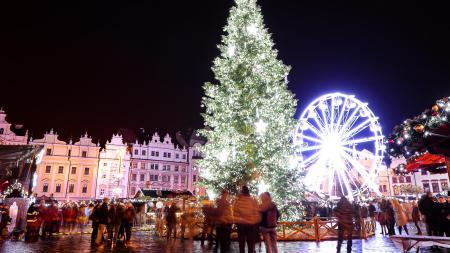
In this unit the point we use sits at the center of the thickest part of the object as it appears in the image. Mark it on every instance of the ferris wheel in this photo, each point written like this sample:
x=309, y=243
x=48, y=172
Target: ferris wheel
x=339, y=144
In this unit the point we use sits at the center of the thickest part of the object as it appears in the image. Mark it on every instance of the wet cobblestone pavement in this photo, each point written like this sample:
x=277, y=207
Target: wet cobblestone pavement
x=144, y=241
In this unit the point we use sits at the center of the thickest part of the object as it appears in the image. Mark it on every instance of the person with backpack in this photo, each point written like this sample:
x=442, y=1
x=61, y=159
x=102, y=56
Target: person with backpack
x=269, y=220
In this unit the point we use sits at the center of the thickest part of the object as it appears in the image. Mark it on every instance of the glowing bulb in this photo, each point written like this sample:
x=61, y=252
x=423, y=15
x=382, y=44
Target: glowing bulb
x=406, y=136
x=363, y=113
x=223, y=156
x=231, y=50
x=351, y=105
x=262, y=187
x=260, y=126
x=323, y=106
x=338, y=102
x=252, y=29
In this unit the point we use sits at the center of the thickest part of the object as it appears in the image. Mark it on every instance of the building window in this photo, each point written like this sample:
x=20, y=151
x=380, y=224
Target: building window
x=176, y=168
x=384, y=188
x=168, y=167
x=396, y=190
x=104, y=176
x=153, y=153
x=143, y=165
x=408, y=179
x=71, y=187
x=86, y=171
x=156, y=166
x=142, y=179
x=74, y=170
x=184, y=156
x=48, y=168
x=426, y=186
x=157, y=153
x=133, y=190
x=165, y=178
x=194, y=178
x=134, y=165
x=60, y=169
x=153, y=177
x=58, y=188
x=136, y=152
x=133, y=177
x=143, y=152
x=183, y=169
x=165, y=154
x=102, y=191
x=183, y=179
x=401, y=180
x=69, y=153
x=177, y=156
x=435, y=186
x=45, y=187
x=423, y=172
x=169, y=155
x=84, y=153
x=49, y=151
x=84, y=189
x=175, y=178
x=2, y=130
x=394, y=180
x=444, y=185
x=105, y=164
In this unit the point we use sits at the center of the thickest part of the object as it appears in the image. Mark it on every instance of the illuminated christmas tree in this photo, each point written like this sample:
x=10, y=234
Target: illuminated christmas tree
x=249, y=114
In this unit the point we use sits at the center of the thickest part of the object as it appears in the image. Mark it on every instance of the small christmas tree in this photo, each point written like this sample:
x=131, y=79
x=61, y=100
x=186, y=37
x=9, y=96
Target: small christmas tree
x=249, y=114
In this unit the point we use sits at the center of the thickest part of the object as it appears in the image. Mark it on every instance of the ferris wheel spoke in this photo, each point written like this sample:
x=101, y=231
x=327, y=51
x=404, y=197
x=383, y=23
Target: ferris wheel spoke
x=310, y=138
x=357, y=129
x=359, y=168
x=310, y=159
x=314, y=129
x=341, y=114
x=320, y=123
x=361, y=140
x=310, y=148
x=351, y=151
x=350, y=120
x=324, y=118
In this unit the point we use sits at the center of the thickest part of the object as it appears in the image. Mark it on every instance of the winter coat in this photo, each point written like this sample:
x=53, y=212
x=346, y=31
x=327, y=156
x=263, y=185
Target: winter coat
x=426, y=206
x=223, y=211
x=344, y=212
x=267, y=213
x=129, y=214
x=102, y=214
x=246, y=210
x=400, y=215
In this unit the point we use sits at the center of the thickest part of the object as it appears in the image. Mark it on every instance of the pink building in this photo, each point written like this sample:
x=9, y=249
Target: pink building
x=161, y=165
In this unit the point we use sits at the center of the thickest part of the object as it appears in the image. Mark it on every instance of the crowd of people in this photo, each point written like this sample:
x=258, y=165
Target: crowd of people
x=435, y=212
x=110, y=221
x=255, y=221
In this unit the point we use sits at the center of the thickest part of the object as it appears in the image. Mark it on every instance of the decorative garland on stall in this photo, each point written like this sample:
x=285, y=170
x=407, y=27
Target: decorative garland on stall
x=15, y=190
x=417, y=129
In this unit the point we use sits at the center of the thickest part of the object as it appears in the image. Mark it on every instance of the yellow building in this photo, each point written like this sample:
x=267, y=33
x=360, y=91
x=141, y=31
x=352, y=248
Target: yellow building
x=68, y=171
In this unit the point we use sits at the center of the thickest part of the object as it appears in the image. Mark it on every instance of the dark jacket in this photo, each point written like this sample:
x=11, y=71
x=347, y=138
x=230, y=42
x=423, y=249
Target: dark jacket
x=102, y=214
x=269, y=213
x=171, y=214
x=129, y=214
x=426, y=206
x=344, y=211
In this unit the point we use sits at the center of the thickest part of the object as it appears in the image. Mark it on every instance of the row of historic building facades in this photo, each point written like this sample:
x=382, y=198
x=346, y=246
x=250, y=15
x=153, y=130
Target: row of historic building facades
x=83, y=170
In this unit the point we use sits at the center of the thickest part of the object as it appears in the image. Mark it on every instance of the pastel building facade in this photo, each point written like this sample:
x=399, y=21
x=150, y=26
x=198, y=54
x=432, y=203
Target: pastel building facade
x=114, y=168
x=435, y=183
x=9, y=137
x=161, y=165
x=68, y=171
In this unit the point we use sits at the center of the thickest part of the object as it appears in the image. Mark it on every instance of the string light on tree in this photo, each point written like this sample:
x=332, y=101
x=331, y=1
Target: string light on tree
x=249, y=100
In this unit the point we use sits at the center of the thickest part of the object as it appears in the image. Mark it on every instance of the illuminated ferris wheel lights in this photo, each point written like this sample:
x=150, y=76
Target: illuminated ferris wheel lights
x=326, y=138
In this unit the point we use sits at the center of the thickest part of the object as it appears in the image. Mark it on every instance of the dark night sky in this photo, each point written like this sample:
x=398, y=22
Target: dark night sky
x=80, y=66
